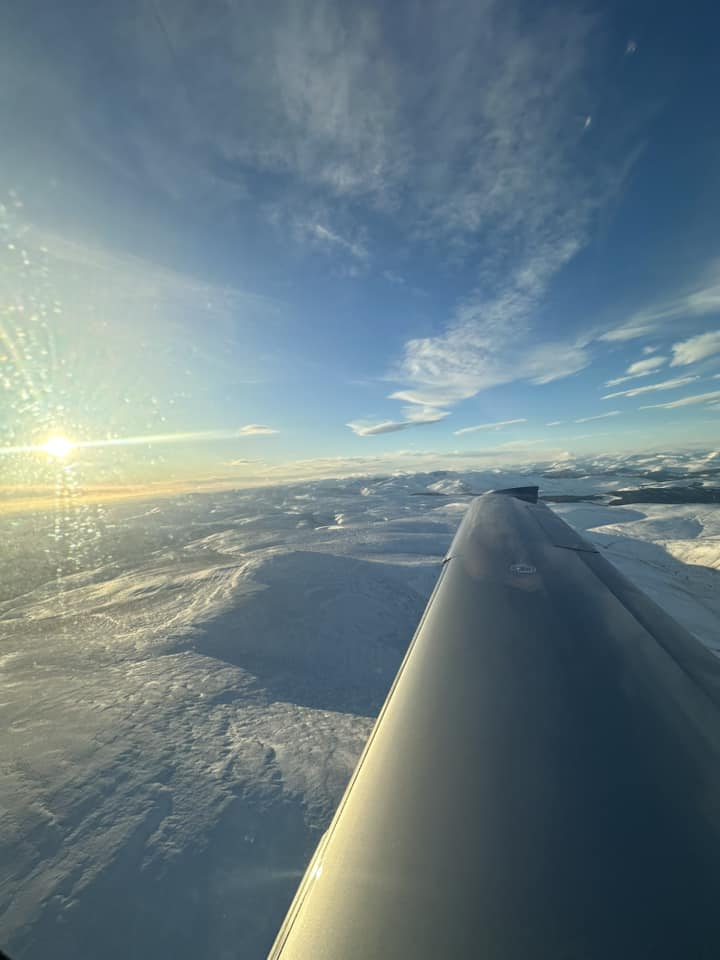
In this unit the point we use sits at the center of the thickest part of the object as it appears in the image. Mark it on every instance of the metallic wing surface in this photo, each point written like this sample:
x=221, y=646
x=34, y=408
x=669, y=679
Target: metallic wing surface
x=544, y=778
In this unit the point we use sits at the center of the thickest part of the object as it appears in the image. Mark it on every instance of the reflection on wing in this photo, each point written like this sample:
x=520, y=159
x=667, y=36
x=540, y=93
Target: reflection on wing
x=544, y=778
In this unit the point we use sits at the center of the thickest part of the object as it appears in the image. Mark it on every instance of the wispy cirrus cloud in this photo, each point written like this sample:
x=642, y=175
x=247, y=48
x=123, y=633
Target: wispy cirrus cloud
x=414, y=417
x=673, y=384
x=316, y=96
x=522, y=204
x=599, y=416
x=685, y=401
x=498, y=425
x=323, y=236
x=641, y=368
x=696, y=348
x=472, y=138
x=482, y=352
x=521, y=444
x=256, y=430
x=376, y=429
x=699, y=302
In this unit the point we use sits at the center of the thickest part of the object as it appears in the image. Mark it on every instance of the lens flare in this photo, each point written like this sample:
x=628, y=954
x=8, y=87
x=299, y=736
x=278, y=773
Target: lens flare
x=57, y=447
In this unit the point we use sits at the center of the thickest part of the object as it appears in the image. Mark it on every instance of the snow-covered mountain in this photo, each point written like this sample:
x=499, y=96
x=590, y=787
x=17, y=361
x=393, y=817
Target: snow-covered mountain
x=186, y=684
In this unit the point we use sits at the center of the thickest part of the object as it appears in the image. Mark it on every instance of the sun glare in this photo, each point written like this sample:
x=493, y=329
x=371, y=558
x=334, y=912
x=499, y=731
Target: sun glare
x=57, y=447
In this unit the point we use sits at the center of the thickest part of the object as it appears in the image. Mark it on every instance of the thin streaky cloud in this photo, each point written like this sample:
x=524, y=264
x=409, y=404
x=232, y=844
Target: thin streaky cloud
x=256, y=430
x=520, y=444
x=598, y=416
x=482, y=352
x=555, y=423
x=524, y=190
x=641, y=368
x=696, y=348
x=665, y=385
x=376, y=429
x=414, y=418
x=685, y=401
x=324, y=236
x=498, y=425
x=700, y=302
x=417, y=414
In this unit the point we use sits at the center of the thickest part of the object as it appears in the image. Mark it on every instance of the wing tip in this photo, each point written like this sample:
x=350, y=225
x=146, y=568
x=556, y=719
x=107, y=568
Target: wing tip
x=528, y=494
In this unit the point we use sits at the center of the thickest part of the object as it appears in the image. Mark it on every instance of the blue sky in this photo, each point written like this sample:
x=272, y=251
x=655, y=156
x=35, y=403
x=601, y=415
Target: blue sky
x=315, y=235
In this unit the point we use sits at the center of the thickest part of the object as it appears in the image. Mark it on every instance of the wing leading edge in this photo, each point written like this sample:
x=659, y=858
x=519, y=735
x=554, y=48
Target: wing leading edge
x=544, y=778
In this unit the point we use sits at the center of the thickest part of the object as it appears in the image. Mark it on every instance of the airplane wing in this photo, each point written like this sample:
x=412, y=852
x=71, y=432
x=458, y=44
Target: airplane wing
x=543, y=780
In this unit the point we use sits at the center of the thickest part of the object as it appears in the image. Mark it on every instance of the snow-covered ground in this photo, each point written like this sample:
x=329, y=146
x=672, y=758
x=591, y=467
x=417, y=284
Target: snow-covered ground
x=185, y=685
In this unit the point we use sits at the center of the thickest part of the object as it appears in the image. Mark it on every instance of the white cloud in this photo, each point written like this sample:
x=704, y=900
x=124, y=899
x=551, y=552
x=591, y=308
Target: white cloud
x=418, y=414
x=312, y=96
x=555, y=423
x=256, y=430
x=324, y=236
x=498, y=425
x=316, y=95
x=650, y=349
x=529, y=191
x=375, y=429
x=641, y=368
x=665, y=385
x=484, y=349
x=631, y=330
x=599, y=416
x=685, y=401
x=520, y=444
x=413, y=418
x=697, y=303
x=696, y=348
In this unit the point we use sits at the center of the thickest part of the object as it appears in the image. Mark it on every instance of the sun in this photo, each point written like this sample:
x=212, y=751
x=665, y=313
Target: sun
x=57, y=447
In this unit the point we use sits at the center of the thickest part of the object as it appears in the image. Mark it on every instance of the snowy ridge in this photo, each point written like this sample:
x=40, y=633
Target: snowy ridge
x=186, y=694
